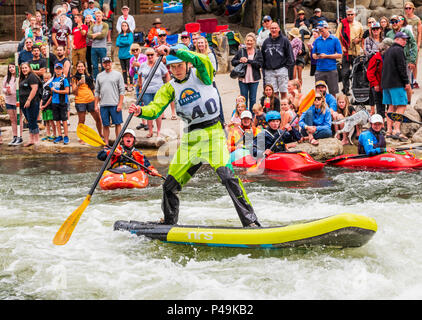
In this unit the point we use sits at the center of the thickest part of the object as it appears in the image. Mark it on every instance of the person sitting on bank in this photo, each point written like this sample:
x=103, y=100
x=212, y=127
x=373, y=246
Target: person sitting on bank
x=242, y=136
x=126, y=150
x=286, y=137
x=372, y=141
x=315, y=123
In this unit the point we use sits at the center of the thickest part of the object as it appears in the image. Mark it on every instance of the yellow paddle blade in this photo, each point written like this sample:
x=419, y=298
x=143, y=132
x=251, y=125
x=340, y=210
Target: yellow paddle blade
x=63, y=235
x=307, y=102
x=89, y=136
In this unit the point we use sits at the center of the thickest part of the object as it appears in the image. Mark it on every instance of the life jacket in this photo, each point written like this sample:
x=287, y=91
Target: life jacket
x=370, y=137
x=240, y=137
x=117, y=161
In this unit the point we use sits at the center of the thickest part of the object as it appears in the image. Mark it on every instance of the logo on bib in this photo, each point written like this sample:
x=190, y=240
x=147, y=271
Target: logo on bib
x=187, y=96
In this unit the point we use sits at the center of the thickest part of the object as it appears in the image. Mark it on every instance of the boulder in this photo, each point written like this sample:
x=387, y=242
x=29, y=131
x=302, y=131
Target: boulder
x=409, y=129
x=393, y=4
x=328, y=148
x=222, y=52
x=376, y=3
x=8, y=49
x=417, y=137
x=418, y=107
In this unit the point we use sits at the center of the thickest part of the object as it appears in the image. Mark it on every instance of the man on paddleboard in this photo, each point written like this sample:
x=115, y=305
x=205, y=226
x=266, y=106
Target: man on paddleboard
x=198, y=104
x=372, y=141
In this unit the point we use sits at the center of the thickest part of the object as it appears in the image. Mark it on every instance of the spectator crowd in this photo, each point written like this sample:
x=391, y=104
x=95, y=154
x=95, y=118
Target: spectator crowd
x=71, y=57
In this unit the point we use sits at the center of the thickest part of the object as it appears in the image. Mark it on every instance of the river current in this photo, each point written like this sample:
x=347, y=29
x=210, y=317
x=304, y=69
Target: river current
x=38, y=193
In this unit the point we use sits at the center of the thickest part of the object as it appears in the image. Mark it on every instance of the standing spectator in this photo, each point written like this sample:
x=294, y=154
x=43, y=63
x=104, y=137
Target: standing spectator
x=416, y=24
x=152, y=38
x=317, y=18
x=38, y=38
x=395, y=83
x=410, y=50
x=161, y=76
x=26, y=54
x=41, y=23
x=38, y=64
x=203, y=47
x=369, y=23
x=310, y=44
x=277, y=59
x=264, y=31
x=302, y=24
x=29, y=101
x=61, y=58
x=9, y=90
x=253, y=59
x=374, y=73
x=109, y=93
x=60, y=35
x=79, y=33
x=88, y=21
x=373, y=40
x=195, y=36
x=29, y=30
x=108, y=18
x=185, y=39
x=98, y=33
x=135, y=62
x=127, y=18
x=385, y=26
x=83, y=88
x=326, y=50
x=26, y=23
x=91, y=10
x=124, y=41
x=350, y=33
x=299, y=53
x=60, y=89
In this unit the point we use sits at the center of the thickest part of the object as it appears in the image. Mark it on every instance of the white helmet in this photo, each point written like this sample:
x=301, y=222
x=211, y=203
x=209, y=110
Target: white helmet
x=246, y=114
x=376, y=118
x=130, y=131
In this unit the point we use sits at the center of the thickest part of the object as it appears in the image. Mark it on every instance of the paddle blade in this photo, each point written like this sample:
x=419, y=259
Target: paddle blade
x=256, y=168
x=63, y=235
x=89, y=136
x=307, y=102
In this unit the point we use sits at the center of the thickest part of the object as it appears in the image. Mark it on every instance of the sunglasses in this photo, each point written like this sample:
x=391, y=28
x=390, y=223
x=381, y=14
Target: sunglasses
x=162, y=35
x=150, y=55
x=318, y=98
x=185, y=37
x=394, y=21
x=135, y=50
x=408, y=8
x=350, y=14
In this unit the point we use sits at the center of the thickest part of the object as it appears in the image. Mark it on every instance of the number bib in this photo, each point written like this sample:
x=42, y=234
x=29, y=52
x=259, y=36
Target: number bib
x=195, y=101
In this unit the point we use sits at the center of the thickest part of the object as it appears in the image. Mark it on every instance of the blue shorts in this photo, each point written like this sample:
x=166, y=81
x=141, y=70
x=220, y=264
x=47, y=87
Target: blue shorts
x=108, y=112
x=83, y=107
x=394, y=96
x=10, y=107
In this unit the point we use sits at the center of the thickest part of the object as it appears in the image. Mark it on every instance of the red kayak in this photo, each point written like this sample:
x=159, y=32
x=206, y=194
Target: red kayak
x=392, y=161
x=123, y=178
x=284, y=161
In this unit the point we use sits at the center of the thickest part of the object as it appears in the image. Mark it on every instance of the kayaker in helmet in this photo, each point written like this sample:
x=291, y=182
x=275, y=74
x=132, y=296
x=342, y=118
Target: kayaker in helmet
x=242, y=136
x=198, y=104
x=263, y=142
x=372, y=141
x=127, y=147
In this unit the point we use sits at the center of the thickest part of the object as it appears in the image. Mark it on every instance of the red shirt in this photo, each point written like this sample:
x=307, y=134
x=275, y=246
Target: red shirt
x=79, y=41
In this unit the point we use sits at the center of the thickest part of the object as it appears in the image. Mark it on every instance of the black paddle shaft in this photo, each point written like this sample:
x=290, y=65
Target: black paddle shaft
x=125, y=125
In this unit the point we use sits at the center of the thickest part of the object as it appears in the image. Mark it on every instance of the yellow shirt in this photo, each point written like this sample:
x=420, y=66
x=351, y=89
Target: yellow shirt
x=356, y=31
x=84, y=94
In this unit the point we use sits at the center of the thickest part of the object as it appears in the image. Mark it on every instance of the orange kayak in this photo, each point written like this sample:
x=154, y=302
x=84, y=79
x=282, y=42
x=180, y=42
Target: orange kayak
x=123, y=177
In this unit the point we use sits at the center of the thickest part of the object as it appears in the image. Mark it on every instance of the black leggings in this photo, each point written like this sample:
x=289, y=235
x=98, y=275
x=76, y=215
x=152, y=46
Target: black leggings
x=124, y=64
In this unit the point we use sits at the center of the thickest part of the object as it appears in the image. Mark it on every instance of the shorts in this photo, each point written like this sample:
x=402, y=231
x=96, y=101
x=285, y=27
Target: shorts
x=330, y=78
x=83, y=107
x=108, y=112
x=278, y=78
x=47, y=114
x=10, y=107
x=59, y=111
x=394, y=96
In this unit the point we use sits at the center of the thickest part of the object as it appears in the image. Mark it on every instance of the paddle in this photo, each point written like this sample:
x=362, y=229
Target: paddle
x=65, y=232
x=401, y=118
x=306, y=102
x=91, y=137
x=359, y=156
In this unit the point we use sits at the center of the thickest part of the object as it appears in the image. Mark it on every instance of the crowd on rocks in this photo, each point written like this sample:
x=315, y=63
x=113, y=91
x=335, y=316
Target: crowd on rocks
x=71, y=57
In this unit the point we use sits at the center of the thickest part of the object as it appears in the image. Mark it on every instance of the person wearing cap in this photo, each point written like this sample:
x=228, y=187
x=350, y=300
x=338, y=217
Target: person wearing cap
x=242, y=136
x=130, y=20
x=152, y=38
x=350, y=33
x=373, y=40
x=317, y=18
x=410, y=47
x=395, y=83
x=98, y=33
x=302, y=24
x=60, y=89
x=198, y=104
x=326, y=50
x=264, y=31
x=185, y=39
x=161, y=39
x=109, y=94
x=264, y=140
x=414, y=21
x=372, y=141
x=91, y=9
x=330, y=100
x=373, y=73
x=127, y=148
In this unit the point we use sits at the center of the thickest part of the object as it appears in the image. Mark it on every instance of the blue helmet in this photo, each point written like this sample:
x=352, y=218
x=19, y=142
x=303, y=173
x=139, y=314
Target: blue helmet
x=272, y=115
x=170, y=59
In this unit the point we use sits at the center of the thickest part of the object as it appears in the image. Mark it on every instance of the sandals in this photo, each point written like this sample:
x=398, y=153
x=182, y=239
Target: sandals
x=173, y=118
x=314, y=142
x=149, y=135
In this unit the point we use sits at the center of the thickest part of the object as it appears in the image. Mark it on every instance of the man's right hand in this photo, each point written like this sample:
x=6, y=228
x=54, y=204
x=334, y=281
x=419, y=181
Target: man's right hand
x=163, y=50
x=136, y=110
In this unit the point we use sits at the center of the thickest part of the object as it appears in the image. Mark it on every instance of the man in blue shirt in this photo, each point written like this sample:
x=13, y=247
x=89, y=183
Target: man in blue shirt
x=326, y=50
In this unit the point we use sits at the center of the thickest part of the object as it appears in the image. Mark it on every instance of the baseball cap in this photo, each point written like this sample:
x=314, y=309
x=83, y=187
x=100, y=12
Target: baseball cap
x=130, y=131
x=375, y=25
x=317, y=10
x=301, y=12
x=320, y=83
x=246, y=114
x=184, y=34
x=161, y=31
x=322, y=24
x=401, y=35
x=376, y=118
x=125, y=7
x=267, y=18
x=106, y=59
x=58, y=65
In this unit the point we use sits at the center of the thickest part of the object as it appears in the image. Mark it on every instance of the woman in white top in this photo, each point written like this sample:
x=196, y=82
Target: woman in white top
x=203, y=47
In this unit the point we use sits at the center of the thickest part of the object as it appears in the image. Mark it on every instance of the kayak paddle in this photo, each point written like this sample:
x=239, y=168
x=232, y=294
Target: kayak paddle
x=401, y=117
x=65, y=232
x=91, y=137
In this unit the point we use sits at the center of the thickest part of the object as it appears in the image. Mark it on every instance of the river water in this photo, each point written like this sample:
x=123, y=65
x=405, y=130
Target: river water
x=37, y=193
